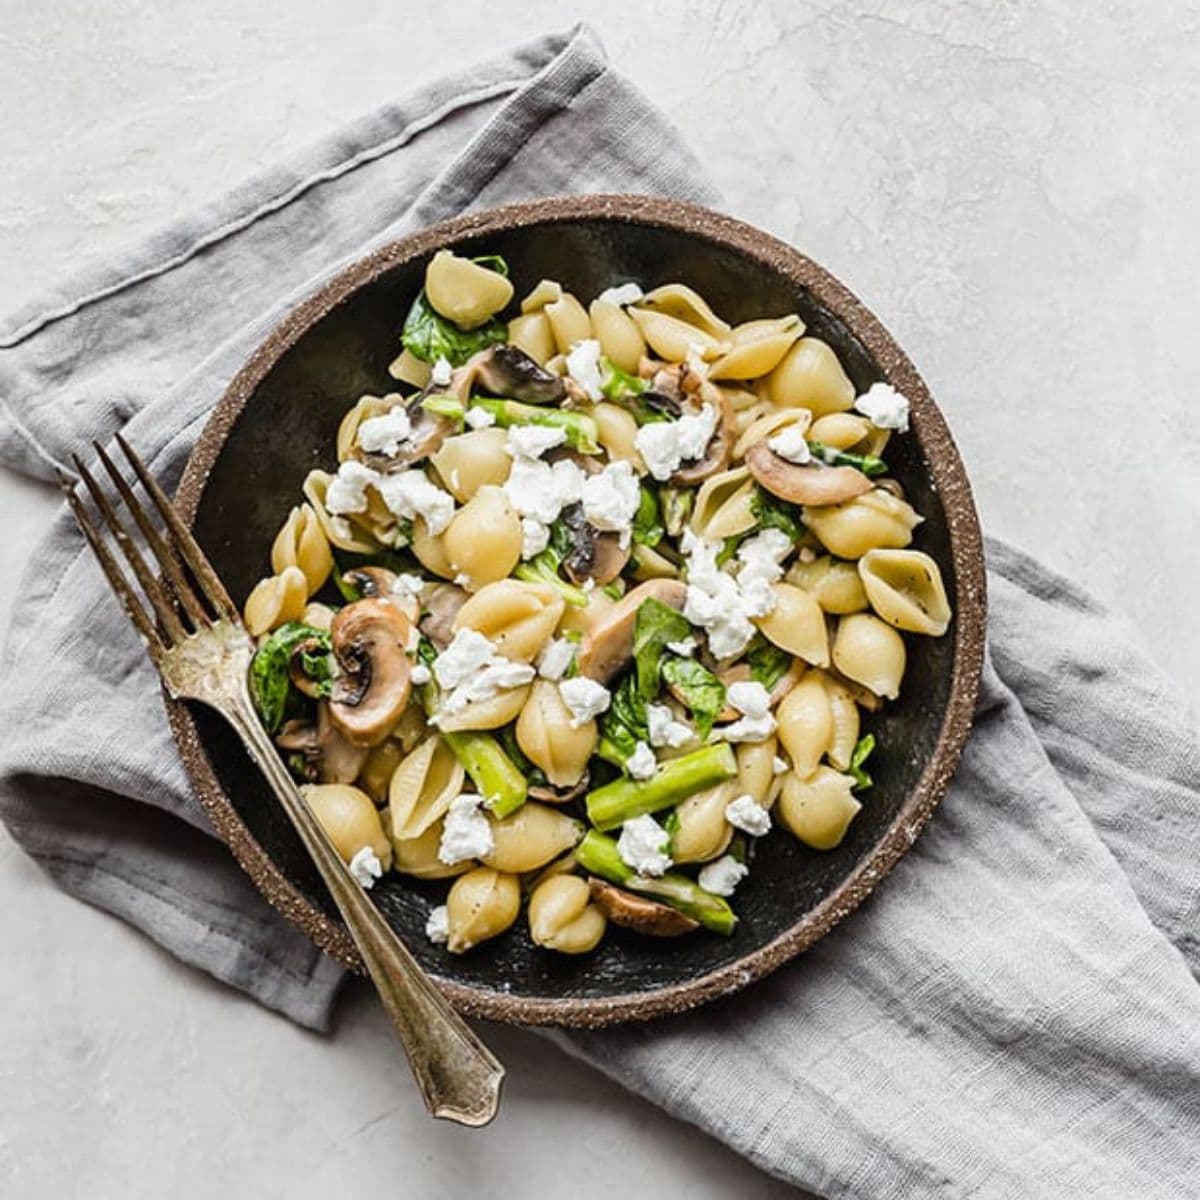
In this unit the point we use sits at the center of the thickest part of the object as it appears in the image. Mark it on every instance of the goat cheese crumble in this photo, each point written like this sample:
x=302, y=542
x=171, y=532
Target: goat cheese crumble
x=643, y=846
x=717, y=602
x=555, y=660
x=466, y=832
x=723, y=876
x=884, y=407
x=437, y=926
x=347, y=491
x=470, y=669
x=642, y=763
x=386, y=433
x=441, y=373
x=611, y=498
x=420, y=675
x=664, y=729
x=532, y=441
x=665, y=445
x=538, y=492
x=535, y=537
x=583, y=365
x=753, y=701
x=365, y=867
x=685, y=648
x=585, y=698
x=409, y=494
x=408, y=587
x=791, y=444
x=746, y=814
x=622, y=294
x=479, y=418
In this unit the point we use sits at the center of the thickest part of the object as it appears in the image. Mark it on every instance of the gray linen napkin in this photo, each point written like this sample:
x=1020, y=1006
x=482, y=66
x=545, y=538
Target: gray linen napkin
x=1014, y=1014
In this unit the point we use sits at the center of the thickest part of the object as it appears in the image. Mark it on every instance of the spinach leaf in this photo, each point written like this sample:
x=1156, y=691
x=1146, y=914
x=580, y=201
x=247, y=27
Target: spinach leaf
x=862, y=751
x=508, y=740
x=624, y=724
x=270, y=683
x=428, y=335
x=493, y=262
x=699, y=689
x=768, y=664
x=773, y=513
x=656, y=626
x=647, y=525
x=869, y=464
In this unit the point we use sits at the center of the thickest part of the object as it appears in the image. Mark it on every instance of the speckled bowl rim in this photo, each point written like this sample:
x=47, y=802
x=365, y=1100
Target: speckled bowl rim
x=966, y=546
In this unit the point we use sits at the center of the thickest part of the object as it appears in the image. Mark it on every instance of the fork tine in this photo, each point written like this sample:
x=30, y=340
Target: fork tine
x=182, y=538
x=161, y=551
x=116, y=579
x=159, y=601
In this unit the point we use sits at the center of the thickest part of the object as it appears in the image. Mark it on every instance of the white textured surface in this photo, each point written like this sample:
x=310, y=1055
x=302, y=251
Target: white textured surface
x=1011, y=187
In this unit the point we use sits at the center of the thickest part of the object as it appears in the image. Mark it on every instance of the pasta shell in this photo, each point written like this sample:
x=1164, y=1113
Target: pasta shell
x=649, y=564
x=562, y=916
x=275, y=601
x=796, y=624
x=681, y=302
x=805, y=723
x=756, y=770
x=469, y=461
x=569, y=322
x=870, y=652
x=724, y=505
x=546, y=292
x=769, y=424
x=302, y=543
x=429, y=550
x=758, y=347
x=576, y=619
x=842, y=431
x=834, y=584
x=483, y=541
x=620, y=339
x=617, y=433
x=482, y=904
x=340, y=531
x=674, y=340
x=547, y=738
x=378, y=769
x=487, y=714
x=701, y=832
x=422, y=787
x=366, y=408
x=408, y=368
x=319, y=616
x=846, y=724
x=463, y=291
x=875, y=520
x=349, y=819
x=531, y=332
x=520, y=618
x=818, y=809
x=811, y=377
x=905, y=588
x=531, y=837
x=418, y=856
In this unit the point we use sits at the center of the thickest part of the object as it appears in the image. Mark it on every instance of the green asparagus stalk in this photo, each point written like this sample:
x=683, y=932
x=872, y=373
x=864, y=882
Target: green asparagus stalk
x=581, y=430
x=623, y=799
x=868, y=464
x=443, y=405
x=597, y=853
x=501, y=785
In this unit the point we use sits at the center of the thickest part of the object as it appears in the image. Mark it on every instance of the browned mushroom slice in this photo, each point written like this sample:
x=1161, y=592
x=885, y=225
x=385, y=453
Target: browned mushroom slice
x=368, y=639
x=550, y=795
x=376, y=582
x=328, y=757
x=509, y=372
x=639, y=912
x=809, y=483
x=595, y=555
x=720, y=445
x=608, y=645
x=441, y=607
x=740, y=673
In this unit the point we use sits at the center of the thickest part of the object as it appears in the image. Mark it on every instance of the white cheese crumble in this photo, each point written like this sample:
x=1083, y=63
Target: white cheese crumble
x=685, y=648
x=470, y=670
x=716, y=602
x=479, y=418
x=610, y=499
x=760, y=558
x=440, y=375
x=665, y=445
x=420, y=675
x=778, y=765
x=642, y=764
x=466, y=832
x=535, y=537
x=437, y=926
x=347, y=491
x=746, y=814
x=583, y=365
x=622, y=294
x=723, y=876
x=753, y=701
x=408, y=586
x=538, y=492
x=665, y=730
x=386, y=433
x=884, y=407
x=791, y=444
x=365, y=867
x=555, y=660
x=643, y=846
x=532, y=441
x=412, y=643
x=585, y=698
x=409, y=494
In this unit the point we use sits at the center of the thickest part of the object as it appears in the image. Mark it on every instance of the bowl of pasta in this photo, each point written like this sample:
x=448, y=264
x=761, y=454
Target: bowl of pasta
x=619, y=602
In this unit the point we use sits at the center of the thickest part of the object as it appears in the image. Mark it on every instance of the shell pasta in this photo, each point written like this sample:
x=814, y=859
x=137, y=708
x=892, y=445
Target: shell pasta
x=596, y=594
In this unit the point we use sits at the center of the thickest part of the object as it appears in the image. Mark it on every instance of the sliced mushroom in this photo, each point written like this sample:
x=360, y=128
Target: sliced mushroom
x=639, y=912
x=328, y=757
x=595, y=555
x=740, y=673
x=720, y=445
x=368, y=640
x=301, y=680
x=441, y=607
x=378, y=583
x=560, y=795
x=509, y=372
x=608, y=645
x=427, y=432
x=808, y=483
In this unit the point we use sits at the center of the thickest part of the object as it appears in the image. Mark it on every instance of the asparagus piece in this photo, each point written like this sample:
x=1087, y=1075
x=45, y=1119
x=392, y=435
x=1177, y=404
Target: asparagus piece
x=581, y=430
x=868, y=464
x=443, y=405
x=623, y=799
x=597, y=853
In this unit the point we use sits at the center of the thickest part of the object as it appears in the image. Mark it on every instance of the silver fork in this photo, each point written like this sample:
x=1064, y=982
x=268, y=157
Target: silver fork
x=196, y=640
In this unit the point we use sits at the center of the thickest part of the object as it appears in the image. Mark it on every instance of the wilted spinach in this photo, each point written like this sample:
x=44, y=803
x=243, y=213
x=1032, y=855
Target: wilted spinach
x=768, y=663
x=647, y=524
x=697, y=687
x=428, y=335
x=656, y=626
x=773, y=513
x=270, y=680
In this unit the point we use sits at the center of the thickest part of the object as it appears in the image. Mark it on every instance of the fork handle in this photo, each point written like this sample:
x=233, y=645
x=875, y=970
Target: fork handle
x=458, y=1076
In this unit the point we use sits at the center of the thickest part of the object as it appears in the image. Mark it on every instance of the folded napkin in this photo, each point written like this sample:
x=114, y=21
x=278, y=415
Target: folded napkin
x=1015, y=1013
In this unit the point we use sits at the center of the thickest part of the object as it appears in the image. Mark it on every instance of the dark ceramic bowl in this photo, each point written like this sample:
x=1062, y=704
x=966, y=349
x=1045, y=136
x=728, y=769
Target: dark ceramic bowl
x=278, y=419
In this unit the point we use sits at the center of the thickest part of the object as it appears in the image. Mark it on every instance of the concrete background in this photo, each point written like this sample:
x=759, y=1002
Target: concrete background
x=1012, y=187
